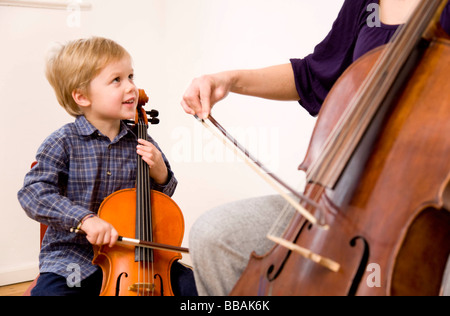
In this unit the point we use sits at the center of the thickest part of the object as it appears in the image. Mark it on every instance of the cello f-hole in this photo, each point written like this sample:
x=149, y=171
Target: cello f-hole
x=272, y=271
x=362, y=265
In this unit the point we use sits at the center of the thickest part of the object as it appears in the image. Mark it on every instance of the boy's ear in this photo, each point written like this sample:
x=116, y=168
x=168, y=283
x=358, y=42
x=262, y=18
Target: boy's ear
x=81, y=98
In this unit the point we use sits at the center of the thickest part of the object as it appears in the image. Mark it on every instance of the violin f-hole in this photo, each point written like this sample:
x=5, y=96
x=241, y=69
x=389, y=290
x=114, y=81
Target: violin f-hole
x=118, y=282
x=162, y=284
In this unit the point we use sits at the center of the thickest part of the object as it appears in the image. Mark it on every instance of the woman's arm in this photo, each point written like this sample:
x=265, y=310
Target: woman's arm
x=274, y=83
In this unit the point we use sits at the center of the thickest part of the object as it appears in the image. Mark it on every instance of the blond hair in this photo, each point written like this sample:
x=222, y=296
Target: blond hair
x=73, y=66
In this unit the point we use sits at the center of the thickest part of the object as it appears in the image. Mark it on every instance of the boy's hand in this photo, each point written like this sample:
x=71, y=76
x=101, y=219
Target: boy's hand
x=153, y=157
x=99, y=232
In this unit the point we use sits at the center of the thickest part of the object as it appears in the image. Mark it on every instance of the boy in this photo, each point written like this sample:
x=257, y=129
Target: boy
x=84, y=162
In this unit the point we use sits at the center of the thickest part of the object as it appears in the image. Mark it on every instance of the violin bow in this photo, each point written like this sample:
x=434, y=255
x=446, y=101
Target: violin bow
x=141, y=243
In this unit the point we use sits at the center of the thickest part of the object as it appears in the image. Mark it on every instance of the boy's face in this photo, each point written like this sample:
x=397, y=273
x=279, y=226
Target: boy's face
x=112, y=93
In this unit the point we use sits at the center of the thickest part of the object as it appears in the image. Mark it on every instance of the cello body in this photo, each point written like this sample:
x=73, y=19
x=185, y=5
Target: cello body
x=388, y=213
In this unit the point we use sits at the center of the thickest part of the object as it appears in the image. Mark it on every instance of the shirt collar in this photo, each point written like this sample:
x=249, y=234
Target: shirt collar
x=85, y=128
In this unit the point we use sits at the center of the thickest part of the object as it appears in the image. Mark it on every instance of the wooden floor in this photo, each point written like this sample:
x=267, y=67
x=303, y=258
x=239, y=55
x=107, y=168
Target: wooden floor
x=14, y=290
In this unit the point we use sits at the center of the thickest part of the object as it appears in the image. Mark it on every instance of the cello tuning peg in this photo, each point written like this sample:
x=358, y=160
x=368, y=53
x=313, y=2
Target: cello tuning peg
x=154, y=121
x=153, y=113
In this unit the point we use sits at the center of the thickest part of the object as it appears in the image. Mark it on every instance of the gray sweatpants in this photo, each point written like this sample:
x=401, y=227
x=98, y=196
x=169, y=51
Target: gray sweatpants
x=222, y=240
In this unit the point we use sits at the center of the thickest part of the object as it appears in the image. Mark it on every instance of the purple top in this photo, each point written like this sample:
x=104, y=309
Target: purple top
x=350, y=38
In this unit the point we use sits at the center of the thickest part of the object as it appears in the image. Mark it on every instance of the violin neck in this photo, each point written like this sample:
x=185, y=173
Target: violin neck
x=144, y=229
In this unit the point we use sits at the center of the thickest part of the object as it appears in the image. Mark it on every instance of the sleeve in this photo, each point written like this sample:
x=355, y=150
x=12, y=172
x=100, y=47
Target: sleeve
x=445, y=19
x=42, y=196
x=316, y=74
x=169, y=187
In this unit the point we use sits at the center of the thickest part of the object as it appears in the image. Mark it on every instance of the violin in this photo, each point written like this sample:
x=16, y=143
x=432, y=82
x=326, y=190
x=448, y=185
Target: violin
x=140, y=264
x=374, y=218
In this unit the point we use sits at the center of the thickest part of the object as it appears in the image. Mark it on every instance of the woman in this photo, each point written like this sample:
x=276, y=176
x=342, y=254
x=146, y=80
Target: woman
x=219, y=256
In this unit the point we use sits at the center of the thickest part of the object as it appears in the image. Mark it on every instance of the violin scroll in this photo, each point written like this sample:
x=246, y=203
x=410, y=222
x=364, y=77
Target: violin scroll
x=143, y=98
x=147, y=116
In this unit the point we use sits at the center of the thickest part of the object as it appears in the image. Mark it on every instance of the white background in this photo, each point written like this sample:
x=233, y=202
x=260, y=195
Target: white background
x=171, y=41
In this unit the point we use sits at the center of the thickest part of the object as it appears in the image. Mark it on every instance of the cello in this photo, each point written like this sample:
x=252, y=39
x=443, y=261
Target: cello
x=374, y=218
x=140, y=266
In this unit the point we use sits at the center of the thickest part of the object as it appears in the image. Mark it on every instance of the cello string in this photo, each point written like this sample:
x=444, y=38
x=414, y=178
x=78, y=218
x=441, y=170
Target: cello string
x=365, y=113
x=282, y=223
x=352, y=113
x=386, y=64
x=228, y=140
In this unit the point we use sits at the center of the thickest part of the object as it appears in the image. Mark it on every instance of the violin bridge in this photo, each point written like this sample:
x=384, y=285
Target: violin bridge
x=308, y=254
x=142, y=287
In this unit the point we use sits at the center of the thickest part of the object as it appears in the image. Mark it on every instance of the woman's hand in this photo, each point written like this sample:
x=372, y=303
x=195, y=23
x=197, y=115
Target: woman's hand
x=204, y=92
x=274, y=83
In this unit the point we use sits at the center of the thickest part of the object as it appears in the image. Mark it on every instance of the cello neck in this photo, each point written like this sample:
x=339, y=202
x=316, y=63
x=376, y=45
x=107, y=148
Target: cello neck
x=377, y=93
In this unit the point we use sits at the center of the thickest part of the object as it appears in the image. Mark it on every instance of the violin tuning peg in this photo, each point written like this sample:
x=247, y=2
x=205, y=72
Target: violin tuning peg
x=154, y=121
x=153, y=113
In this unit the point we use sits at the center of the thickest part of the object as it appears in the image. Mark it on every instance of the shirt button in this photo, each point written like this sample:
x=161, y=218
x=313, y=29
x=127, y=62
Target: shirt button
x=109, y=173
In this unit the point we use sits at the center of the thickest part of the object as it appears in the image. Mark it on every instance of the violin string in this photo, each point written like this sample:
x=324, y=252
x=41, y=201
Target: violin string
x=149, y=226
x=143, y=259
x=146, y=209
x=138, y=219
x=146, y=259
x=139, y=213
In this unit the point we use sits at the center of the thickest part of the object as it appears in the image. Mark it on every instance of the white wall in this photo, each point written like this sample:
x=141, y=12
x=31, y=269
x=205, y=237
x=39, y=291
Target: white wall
x=171, y=41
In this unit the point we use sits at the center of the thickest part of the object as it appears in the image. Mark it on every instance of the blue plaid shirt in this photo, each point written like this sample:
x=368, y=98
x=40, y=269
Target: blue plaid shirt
x=77, y=167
